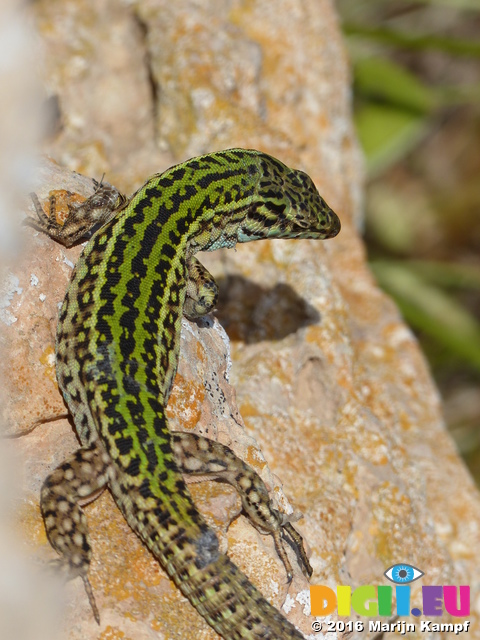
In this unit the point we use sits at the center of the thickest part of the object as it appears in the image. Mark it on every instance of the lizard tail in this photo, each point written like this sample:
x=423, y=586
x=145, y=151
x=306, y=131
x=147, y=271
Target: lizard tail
x=213, y=584
x=230, y=603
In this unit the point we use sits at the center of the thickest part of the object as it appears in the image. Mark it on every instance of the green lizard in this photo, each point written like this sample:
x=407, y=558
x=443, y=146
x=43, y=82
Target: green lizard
x=117, y=350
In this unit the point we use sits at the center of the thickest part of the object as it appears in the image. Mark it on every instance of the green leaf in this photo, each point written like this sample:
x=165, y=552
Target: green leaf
x=381, y=78
x=471, y=5
x=446, y=274
x=453, y=46
x=432, y=311
x=387, y=133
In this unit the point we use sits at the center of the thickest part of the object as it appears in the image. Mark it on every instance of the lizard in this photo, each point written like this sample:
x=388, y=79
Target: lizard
x=117, y=347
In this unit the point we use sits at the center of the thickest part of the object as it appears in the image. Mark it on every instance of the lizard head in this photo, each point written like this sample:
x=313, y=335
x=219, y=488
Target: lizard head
x=287, y=205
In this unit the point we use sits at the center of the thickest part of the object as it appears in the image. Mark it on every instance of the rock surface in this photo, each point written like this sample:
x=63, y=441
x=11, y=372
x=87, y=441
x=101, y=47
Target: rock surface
x=335, y=394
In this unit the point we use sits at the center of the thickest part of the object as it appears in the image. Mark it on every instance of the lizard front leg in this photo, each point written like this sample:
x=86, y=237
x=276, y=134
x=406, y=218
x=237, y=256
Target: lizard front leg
x=196, y=455
x=74, y=482
x=202, y=290
x=83, y=219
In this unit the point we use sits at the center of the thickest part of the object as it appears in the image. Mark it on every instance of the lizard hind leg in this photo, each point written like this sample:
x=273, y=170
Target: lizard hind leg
x=196, y=455
x=74, y=482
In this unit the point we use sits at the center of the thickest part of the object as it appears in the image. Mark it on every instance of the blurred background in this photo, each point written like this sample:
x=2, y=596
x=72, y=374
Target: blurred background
x=416, y=71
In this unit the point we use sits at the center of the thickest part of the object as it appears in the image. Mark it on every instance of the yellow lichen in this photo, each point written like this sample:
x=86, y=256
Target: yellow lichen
x=186, y=401
x=112, y=633
x=47, y=359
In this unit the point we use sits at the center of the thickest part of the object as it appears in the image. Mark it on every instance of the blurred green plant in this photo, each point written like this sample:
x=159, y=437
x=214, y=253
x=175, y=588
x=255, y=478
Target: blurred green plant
x=394, y=109
x=417, y=289
x=398, y=108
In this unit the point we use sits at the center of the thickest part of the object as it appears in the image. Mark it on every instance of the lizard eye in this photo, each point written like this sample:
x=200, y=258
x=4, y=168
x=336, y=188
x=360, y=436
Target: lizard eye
x=403, y=573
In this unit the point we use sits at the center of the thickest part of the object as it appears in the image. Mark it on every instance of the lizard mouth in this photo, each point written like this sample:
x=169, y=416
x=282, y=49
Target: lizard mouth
x=333, y=229
x=328, y=227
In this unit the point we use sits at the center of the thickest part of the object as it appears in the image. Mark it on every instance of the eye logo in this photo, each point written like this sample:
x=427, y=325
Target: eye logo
x=403, y=573
x=372, y=601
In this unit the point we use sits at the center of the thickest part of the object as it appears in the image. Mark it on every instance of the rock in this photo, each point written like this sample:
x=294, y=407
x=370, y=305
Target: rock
x=334, y=391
